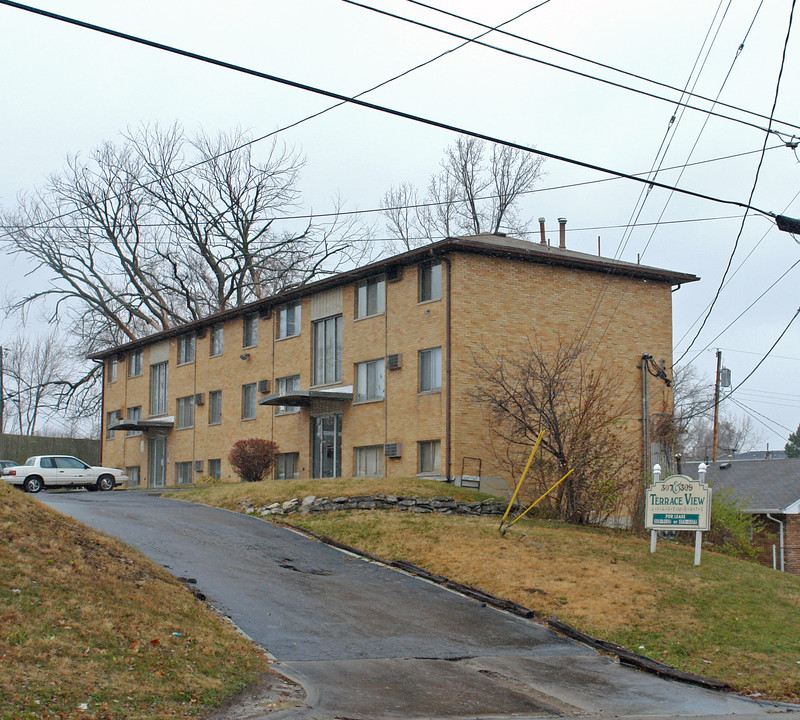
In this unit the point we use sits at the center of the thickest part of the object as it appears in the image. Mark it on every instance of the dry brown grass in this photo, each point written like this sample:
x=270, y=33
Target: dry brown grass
x=91, y=629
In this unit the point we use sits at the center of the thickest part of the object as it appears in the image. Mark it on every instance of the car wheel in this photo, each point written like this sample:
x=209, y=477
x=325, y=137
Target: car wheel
x=105, y=482
x=33, y=484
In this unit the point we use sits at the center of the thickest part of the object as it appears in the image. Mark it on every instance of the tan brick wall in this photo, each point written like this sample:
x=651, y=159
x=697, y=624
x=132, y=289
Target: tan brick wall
x=494, y=301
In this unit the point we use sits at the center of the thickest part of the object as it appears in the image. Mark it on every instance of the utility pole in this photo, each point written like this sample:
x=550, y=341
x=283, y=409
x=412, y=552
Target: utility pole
x=2, y=394
x=716, y=407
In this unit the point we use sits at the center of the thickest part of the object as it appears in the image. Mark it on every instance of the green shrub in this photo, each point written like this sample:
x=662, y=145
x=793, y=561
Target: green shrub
x=732, y=529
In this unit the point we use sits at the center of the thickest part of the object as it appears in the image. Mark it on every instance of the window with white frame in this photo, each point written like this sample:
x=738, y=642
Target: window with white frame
x=250, y=330
x=217, y=340
x=158, y=389
x=430, y=370
x=134, y=475
x=215, y=407
x=186, y=344
x=112, y=417
x=286, y=385
x=135, y=363
x=328, y=350
x=370, y=380
x=371, y=297
x=183, y=473
x=430, y=281
x=249, y=401
x=287, y=466
x=289, y=320
x=215, y=468
x=113, y=364
x=368, y=461
x=184, y=412
x=429, y=456
x=134, y=415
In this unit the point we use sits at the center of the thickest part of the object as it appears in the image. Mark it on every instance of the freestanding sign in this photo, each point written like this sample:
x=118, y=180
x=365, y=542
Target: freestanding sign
x=678, y=502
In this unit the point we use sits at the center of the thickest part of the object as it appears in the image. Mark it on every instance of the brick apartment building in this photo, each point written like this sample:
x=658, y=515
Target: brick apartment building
x=368, y=372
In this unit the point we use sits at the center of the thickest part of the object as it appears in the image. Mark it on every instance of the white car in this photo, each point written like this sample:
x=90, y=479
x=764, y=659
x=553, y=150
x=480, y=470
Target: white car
x=49, y=471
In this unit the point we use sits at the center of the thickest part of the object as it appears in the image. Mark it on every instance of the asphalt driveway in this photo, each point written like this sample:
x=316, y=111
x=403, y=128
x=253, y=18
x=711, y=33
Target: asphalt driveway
x=370, y=642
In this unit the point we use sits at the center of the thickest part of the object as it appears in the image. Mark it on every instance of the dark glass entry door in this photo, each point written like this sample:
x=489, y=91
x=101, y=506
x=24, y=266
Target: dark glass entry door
x=158, y=461
x=326, y=450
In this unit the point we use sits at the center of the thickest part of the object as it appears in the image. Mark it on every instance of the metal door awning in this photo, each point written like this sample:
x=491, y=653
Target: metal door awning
x=160, y=423
x=303, y=398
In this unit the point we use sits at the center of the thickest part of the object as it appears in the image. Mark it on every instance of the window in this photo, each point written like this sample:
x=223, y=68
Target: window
x=289, y=320
x=430, y=281
x=286, y=385
x=430, y=458
x=430, y=370
x=186, y=349
x=134, y=475
x=250, y=330
x=112, y=370
x=249, y=401
x=328, y=350
x=183, y=473
x=286, y=468
x=112, y=417
x=134, y=414
x=215, y=407
x=215, y=468
x=368, y=461
x=184, y=411
x=135, y=363
x=371, y=297
x=370, y=380
x=217, y=337
x=158, y=389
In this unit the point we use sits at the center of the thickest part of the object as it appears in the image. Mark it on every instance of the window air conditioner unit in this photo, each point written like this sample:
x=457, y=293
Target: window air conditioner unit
x=393, y=450
x=265, y=313
x=198, y=466
x=394, y=273
x=200, y=332
x=263, y=386
x=394, y=362
x=199, y=399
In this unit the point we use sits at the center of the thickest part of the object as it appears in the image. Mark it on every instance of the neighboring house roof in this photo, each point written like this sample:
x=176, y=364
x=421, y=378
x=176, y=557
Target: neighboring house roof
x=761, y=486
x=483, y=244
x=761, y=455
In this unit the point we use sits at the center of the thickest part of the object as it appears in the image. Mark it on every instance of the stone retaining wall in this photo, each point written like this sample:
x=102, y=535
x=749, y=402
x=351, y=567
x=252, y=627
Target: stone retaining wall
x=313, y=504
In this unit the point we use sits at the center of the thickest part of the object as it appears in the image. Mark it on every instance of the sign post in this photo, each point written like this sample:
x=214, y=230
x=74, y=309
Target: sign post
x=678, y=502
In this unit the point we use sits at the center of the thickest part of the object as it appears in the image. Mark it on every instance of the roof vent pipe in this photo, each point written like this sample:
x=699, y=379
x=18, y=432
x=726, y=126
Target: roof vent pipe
x=542, y=240
x=562, y=233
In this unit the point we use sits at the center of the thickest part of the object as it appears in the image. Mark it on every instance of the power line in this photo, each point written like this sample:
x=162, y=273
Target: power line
x=530, y=58
x=575, y=56
x=752, y=413
x=373, y=106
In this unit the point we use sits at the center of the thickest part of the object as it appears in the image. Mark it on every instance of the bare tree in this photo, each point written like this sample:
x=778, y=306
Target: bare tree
x=471, y=194
x=583, y=418
x=164, y=229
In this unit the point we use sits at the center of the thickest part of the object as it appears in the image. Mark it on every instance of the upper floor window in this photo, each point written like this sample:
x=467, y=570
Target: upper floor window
x=135, y=363
x=217, y=336
x=113, y=417
x=370, y=380
x=289, y=320
x=134, y=414
x=327, y=351
x=184, y=411
x=371, y=297
x=158, y=389
x=113, y=364
x=250, y=330
x=286, y=385
x=215, y=407
x=430, y=370
x=249, y=401
x=186, y=349
x=430, y=281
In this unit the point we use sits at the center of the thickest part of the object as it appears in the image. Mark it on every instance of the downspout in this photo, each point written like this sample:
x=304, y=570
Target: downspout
x=102, y=410
x=780, y=522
x=448, y=373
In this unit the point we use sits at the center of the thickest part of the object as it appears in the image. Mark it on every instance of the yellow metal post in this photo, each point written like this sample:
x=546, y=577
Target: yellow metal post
x=522, y=479
x=541, y=498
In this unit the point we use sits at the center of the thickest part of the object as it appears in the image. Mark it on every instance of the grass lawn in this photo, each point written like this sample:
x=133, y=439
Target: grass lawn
x=91, y=629
x=728, y=619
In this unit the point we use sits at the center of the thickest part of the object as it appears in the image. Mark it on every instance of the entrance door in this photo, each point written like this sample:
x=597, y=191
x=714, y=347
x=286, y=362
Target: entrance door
x=326, y=450
x=158, y=461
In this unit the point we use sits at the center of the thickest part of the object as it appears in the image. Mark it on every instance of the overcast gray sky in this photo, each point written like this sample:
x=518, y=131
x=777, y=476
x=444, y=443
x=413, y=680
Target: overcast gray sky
x=66, y=90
